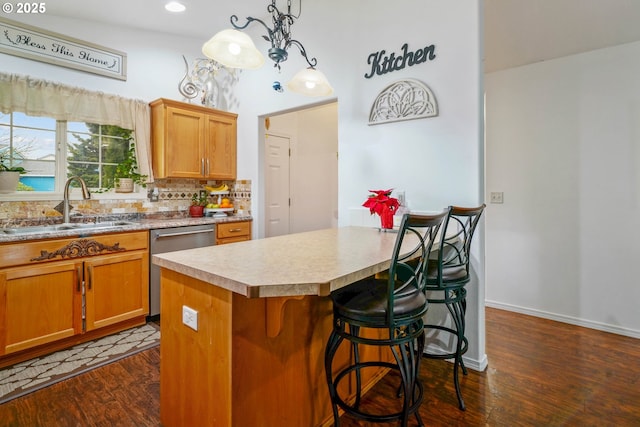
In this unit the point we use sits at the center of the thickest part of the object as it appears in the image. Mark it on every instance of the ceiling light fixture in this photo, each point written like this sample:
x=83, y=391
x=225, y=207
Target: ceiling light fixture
x=175, y=6
x=235, y=49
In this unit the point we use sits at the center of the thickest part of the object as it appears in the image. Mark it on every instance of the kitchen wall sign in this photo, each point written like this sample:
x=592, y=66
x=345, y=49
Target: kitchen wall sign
x=34, y=43
x=382, y=64
x=403, y=100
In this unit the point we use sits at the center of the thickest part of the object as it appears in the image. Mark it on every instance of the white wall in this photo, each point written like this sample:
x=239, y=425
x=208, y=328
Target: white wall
x=563, y=143
x=437, y=161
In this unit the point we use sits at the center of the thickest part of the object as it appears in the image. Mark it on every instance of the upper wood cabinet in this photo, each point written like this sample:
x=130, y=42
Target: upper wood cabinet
x=191, y=141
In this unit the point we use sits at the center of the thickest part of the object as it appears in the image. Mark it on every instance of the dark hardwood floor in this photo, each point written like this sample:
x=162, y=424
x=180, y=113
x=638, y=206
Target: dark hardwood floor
x=541, y=373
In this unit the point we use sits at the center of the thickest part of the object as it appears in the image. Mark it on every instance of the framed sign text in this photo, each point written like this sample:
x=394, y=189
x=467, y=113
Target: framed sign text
x=34, y=43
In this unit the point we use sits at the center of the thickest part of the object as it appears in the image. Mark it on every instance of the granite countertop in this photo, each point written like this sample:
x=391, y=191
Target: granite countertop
x=132, y=225
x=310, y=263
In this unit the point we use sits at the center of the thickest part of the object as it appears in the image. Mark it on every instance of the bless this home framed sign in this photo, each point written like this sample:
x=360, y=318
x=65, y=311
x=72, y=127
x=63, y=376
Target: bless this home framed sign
x=29, y=42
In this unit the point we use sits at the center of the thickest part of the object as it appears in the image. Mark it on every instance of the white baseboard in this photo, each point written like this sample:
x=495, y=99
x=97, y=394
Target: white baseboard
x=565, y=319
x=476, y=365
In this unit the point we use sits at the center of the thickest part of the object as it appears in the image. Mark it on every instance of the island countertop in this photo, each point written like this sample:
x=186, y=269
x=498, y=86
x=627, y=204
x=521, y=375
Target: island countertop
x=309, y=263
x=262, y=318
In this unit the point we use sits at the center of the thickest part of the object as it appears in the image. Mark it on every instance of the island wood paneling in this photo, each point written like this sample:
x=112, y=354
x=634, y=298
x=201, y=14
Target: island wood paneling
x=235, y=370
x=195, y=374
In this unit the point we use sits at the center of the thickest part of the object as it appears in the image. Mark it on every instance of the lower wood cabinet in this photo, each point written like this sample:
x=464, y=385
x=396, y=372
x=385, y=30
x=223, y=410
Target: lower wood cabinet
x=40, y=304
x=230, y=232
x=116, y=289
x=56, y=293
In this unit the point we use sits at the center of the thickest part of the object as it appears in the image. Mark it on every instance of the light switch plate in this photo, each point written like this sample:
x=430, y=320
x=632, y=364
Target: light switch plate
x=190, y=317
x=497, y=197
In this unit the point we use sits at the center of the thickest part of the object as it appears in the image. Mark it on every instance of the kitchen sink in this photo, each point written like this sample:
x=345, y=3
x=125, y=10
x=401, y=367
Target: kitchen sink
x=36, y=229
x=97, y=225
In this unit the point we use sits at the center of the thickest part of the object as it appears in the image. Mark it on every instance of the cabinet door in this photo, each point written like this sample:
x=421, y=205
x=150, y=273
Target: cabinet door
x=221, y=147
x=39, y=304
x=185, y=145
x=117, y=288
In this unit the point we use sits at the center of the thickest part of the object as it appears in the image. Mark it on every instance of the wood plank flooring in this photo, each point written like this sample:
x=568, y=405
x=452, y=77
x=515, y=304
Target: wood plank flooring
x=541, y=373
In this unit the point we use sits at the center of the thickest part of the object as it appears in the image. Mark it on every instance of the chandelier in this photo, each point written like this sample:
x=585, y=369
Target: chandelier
x=234, y=49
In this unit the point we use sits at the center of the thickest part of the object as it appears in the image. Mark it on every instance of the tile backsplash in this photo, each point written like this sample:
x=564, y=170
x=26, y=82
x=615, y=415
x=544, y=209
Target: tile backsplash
x=174, y=199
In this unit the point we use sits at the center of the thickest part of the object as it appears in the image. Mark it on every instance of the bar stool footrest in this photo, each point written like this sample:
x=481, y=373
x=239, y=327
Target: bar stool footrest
x=448, y=355
x=354, y=411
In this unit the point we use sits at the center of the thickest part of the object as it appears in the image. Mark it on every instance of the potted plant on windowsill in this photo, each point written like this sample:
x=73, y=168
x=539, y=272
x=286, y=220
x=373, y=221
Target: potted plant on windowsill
x=198, y=203
x=126, y=174
x=9, y=175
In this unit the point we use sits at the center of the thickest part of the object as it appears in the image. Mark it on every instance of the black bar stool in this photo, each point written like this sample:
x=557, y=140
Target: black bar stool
x=394, y=308
x=447, y=277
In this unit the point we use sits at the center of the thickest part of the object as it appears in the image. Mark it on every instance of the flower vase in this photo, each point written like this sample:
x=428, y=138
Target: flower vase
x=386, y=219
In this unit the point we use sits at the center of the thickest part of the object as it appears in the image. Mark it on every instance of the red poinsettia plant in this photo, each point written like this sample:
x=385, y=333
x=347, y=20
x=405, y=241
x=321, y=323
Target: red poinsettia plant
x=381, y=201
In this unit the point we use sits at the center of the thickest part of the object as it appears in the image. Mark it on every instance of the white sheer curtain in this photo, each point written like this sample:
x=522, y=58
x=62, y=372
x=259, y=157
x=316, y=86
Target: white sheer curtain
x=36, y=97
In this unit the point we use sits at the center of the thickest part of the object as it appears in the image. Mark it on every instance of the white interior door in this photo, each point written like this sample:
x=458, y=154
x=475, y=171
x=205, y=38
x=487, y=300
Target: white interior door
x=277, y=189
x=302, y=145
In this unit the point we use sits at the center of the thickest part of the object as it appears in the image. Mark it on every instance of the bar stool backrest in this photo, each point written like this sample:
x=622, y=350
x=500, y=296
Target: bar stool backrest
x=408, y=269
x=455, y=246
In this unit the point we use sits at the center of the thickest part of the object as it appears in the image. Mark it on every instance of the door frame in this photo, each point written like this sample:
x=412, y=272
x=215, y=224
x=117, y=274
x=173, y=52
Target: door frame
x=258, y=197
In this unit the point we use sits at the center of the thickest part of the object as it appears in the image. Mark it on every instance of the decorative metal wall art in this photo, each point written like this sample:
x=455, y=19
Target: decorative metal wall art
x=204, y=81
x=403, y=100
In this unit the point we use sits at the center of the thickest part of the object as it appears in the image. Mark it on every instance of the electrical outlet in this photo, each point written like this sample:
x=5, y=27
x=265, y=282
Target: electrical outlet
x=497, y=197
x=190, y=317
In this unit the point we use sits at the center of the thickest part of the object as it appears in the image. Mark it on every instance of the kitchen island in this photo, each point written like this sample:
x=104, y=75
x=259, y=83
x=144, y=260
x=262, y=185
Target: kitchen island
x=263, y=318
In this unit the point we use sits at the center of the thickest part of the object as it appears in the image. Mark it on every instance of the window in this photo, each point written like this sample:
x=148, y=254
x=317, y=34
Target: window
x=51, y=151
x=60, y=121
x=30, y=142
x=94, y=151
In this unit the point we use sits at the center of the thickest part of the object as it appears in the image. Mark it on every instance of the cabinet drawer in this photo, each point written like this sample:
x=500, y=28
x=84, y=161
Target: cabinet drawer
x=233, y=229
x=23, y=253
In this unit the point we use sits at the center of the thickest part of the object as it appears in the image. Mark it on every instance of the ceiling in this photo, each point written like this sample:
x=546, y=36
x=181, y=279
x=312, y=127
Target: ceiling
x=517, y=32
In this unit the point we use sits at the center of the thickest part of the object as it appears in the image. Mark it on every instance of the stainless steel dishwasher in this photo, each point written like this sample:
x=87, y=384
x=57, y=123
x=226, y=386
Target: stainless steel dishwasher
x=163, y=240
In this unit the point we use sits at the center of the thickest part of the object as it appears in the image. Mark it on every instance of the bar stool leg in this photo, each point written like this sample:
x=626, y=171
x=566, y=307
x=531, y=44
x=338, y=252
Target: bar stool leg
x=355, y=331
x=457, y=311
x=332, y=346
x=409, y=365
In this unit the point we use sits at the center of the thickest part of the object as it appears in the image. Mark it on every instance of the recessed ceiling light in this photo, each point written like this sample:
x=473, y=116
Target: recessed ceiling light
x=175, y=6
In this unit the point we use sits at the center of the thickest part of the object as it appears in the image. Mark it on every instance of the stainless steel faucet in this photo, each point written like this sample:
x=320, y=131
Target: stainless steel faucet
x=66, y=208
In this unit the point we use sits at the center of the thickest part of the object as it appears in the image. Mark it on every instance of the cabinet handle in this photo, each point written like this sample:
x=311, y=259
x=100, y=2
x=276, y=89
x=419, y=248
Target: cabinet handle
x=89, y=276
x=79, y=279
x=234, y=230
x=208, y=167
x=202, y=166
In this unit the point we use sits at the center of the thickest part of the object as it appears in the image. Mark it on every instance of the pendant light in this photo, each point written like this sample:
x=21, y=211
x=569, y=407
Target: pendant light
x=235, y=49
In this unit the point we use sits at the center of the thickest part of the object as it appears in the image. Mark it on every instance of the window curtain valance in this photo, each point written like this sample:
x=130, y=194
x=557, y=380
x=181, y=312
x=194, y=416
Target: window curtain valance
x=36, y=97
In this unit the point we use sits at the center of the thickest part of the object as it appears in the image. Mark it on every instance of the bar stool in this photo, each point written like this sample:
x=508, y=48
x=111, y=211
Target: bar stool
x=393, y=308
x=447, y=277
